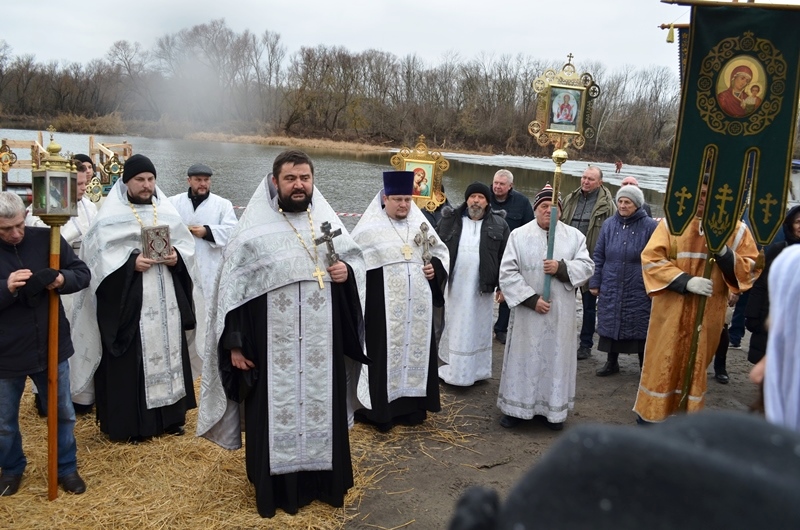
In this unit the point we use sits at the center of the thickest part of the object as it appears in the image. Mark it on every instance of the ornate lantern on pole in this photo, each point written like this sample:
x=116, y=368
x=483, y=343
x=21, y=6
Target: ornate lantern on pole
x=55, y=183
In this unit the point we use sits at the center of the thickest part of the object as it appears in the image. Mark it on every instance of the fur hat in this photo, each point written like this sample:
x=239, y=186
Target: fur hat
x=135, y=165
x=633, y=193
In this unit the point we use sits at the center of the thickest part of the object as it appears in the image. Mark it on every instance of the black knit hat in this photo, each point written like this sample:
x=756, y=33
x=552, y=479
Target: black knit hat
x=84, y=158
x=478, y=187
x=135, y=165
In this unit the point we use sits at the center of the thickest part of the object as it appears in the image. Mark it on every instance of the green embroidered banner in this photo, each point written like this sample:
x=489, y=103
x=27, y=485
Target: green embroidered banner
x=737, y=120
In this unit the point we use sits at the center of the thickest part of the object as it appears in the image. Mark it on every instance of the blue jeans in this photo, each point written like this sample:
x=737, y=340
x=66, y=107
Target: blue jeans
x=503, y=314
x=589, y=318
x=12, y=459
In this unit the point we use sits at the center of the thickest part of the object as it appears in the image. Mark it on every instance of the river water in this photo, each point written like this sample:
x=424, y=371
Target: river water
x=349, y=180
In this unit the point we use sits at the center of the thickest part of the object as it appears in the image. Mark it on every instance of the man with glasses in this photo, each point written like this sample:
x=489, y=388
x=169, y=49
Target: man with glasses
x=403, y=284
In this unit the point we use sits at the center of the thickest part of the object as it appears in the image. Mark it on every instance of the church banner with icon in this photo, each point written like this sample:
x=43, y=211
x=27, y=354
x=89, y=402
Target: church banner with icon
x=737, y=120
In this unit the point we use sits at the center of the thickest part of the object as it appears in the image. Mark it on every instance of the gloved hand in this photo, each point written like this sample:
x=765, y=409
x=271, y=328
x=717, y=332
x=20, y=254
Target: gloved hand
x=701, y=286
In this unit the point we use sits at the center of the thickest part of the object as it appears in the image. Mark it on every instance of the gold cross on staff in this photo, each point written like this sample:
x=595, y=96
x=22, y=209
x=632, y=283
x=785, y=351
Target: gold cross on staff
x=725, y=195
x=407, y=252
x=767, y=202
x=318, y=274
x=682, y=196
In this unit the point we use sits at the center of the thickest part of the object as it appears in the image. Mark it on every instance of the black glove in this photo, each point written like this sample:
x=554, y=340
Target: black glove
x=32, y=293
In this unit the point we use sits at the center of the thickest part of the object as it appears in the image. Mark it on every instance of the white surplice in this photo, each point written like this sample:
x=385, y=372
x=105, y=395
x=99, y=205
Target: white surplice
x=539, y=365
x=782, y=378
x=409, y=308
x=216, y=213
x=466, y=343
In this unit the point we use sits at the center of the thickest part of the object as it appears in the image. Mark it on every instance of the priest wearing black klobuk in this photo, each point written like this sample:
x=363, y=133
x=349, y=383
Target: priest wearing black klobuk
x=130, y=325
x=284, y=341
x=402, y=384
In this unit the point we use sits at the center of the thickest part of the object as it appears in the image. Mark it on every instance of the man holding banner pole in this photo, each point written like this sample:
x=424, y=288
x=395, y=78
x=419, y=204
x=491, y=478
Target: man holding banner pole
x=729, y=148
x=689, y=286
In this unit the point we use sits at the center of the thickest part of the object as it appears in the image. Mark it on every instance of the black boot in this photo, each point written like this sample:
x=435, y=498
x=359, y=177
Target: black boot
x=611, y=366
x=721, y=357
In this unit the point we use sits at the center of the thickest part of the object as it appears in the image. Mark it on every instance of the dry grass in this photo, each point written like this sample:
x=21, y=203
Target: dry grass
x=311, y=143
x=187, y=482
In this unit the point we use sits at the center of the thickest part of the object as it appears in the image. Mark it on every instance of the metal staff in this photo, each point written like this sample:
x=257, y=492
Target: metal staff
x=559, y=157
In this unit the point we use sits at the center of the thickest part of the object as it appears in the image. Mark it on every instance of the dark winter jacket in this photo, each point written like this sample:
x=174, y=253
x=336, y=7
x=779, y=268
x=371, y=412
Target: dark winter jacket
x=757, y=310
x=517, y=207
x=623, y=307
x=494, y=235
x=604, y=208
x=24, y=329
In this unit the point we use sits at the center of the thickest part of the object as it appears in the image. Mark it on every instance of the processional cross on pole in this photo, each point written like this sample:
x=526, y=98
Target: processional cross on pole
x=422, y=239
x=327, y=238
x=556, y=91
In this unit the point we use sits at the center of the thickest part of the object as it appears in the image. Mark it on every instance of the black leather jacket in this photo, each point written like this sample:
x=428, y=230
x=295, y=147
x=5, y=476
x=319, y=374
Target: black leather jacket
x=494, y=235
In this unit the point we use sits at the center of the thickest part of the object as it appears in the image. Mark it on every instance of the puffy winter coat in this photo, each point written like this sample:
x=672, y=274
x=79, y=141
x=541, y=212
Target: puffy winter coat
x=623, y=306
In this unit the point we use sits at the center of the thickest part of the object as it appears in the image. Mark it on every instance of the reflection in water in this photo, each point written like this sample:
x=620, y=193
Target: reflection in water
x=348, y=180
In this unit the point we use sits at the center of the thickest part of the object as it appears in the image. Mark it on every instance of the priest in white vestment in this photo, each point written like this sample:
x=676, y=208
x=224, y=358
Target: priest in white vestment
x=407, y=267
x=539, y=364
x=782, y=378
x=131, y=323
x=210, y=219
x=286, y=325
x=475, y=237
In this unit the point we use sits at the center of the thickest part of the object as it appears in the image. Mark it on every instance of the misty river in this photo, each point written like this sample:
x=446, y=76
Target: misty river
x=349, y=180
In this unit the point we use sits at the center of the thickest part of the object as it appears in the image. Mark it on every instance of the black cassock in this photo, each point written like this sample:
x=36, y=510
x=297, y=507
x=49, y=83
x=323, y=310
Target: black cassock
x=119, y=380
x=246, y=328
x=404, y=410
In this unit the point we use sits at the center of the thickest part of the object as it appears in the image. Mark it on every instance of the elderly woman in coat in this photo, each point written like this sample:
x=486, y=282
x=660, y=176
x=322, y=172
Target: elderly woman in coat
x=623, y=307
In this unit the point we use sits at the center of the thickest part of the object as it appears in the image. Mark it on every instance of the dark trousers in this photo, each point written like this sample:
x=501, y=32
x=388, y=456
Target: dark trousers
x=589, y=317
x=503, y=313
x=736, y=329
x=721, y=355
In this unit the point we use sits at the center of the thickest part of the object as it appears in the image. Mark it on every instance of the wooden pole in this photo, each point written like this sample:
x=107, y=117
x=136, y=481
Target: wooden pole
x=52, y=372
x=698, y=327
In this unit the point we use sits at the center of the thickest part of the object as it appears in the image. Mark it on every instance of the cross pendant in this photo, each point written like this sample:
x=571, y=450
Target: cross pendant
x=318, y=274
x=407, y=252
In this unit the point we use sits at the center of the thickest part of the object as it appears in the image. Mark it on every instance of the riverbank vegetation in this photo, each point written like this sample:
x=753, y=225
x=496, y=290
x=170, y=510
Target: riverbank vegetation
x=211, y=79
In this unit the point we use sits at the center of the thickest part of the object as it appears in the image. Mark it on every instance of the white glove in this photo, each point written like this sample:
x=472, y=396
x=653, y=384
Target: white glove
x=700, y=286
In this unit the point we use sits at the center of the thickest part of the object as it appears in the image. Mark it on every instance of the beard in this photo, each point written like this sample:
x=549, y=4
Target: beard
x=139, y=200
x=475, y=212
x=294, y=205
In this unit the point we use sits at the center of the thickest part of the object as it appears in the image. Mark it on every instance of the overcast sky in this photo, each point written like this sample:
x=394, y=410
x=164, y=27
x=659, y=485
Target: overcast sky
x=614, y=32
